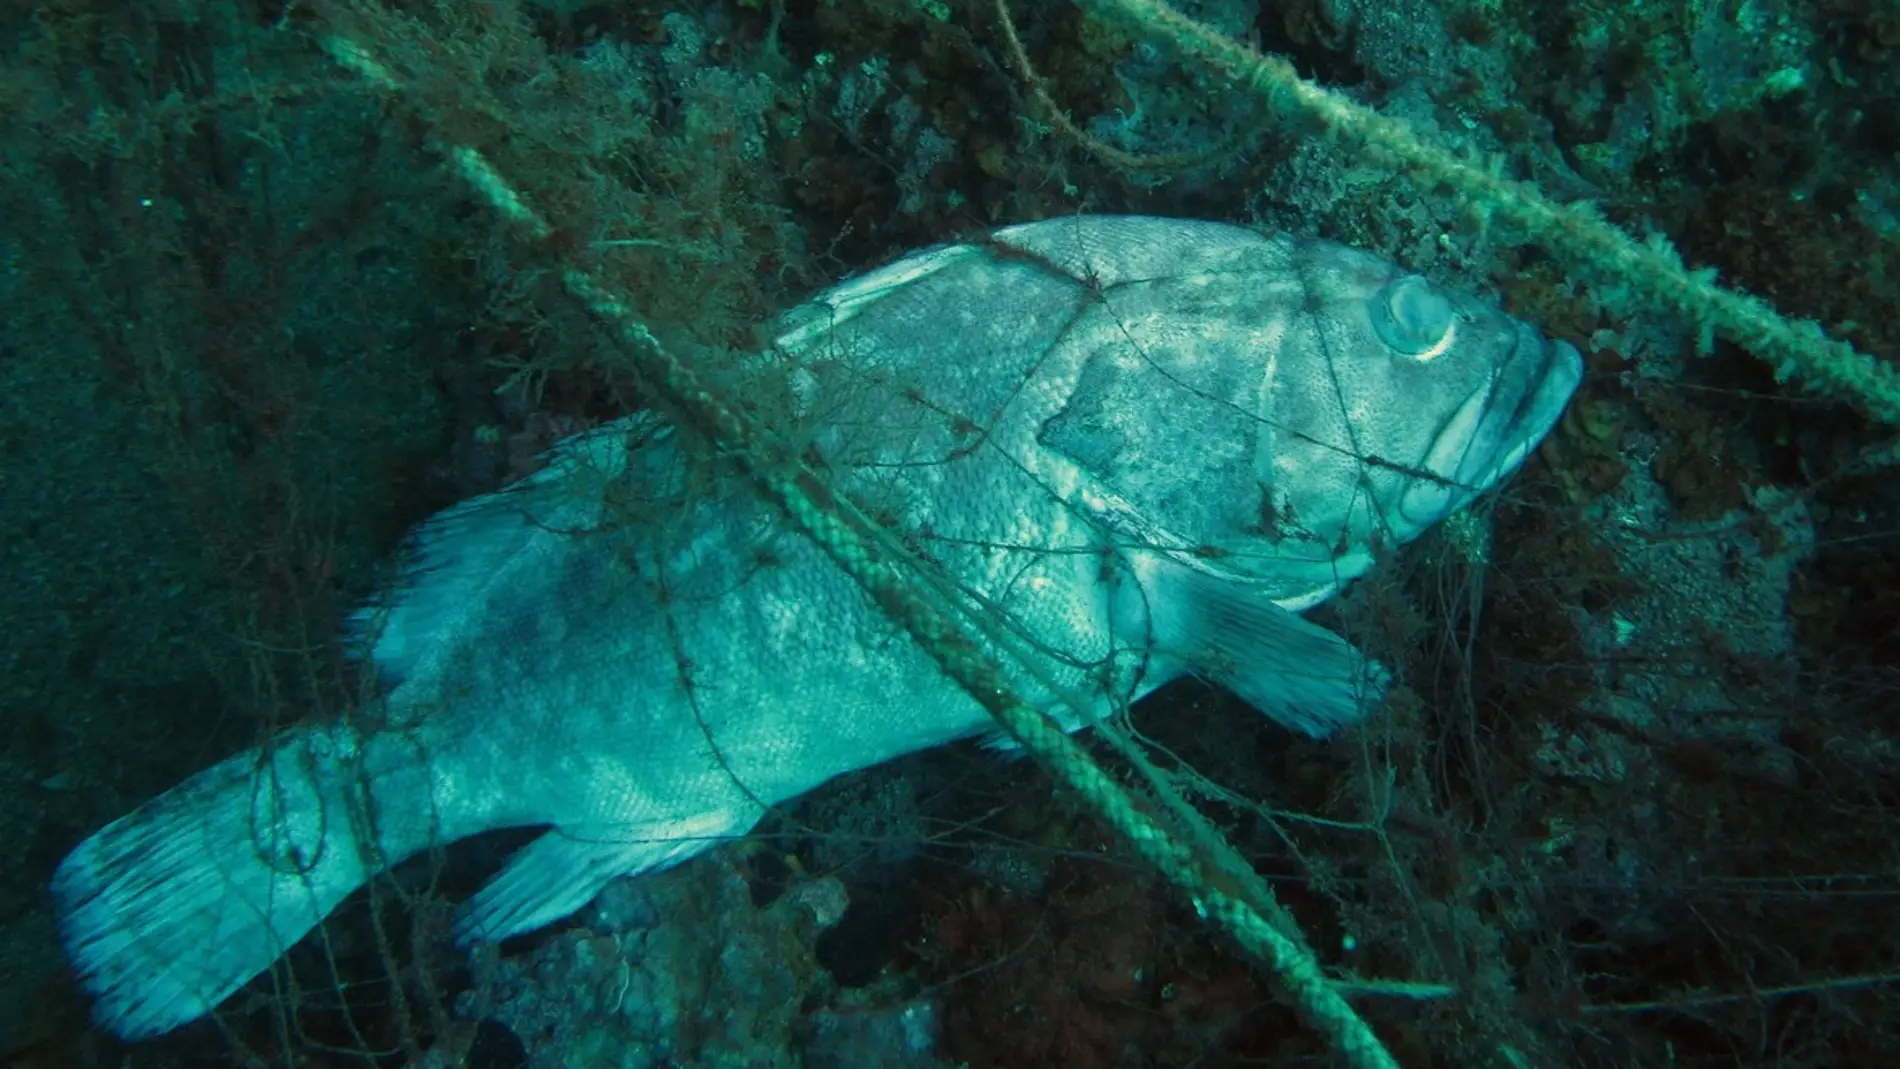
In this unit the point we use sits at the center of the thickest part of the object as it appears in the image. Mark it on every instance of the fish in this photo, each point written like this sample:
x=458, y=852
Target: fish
x=1141, y=446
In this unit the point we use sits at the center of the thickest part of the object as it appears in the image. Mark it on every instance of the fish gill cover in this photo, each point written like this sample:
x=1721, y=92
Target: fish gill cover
x=1623, y=802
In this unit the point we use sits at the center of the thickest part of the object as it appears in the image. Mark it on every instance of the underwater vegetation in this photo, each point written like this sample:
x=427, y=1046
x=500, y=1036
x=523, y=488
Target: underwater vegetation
x=1629, y=801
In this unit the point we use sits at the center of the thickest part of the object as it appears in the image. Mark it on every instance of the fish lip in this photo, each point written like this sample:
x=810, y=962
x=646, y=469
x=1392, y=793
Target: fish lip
x=1535, y=414
x=1520, y=417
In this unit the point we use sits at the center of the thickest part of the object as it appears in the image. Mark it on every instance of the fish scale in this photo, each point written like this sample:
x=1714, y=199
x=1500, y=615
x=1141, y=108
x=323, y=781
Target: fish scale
x=1139, y=444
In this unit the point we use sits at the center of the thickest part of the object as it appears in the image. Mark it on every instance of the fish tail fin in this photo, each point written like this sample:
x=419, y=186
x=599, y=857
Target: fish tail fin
x=168, y=910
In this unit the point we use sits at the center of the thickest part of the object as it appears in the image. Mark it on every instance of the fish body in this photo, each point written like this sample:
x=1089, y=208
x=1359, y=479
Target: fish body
x=1141, y=445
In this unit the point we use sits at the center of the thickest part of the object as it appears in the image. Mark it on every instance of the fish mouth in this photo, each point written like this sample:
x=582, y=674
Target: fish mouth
x=1523, y=426
x=1492, y=433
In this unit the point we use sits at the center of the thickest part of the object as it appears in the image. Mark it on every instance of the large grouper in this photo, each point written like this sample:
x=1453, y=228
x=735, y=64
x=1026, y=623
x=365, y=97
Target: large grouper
x=1141, y=445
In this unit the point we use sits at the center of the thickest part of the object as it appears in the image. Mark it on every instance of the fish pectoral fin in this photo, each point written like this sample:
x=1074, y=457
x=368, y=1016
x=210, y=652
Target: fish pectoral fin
x=564, y=869
x=1301, y=675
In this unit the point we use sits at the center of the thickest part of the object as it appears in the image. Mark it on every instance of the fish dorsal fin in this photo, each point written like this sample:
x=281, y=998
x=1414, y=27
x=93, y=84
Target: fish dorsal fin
x=452, y=561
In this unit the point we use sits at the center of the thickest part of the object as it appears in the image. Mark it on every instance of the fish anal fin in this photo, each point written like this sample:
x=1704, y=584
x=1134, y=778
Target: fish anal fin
x=564, y=869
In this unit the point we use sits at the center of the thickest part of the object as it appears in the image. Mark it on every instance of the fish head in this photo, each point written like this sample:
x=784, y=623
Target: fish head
x=1278, y=407
x=1391, y=402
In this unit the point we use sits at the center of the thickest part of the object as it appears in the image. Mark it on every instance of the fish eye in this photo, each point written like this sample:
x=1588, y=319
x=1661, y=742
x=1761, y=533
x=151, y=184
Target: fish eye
x=1413, y=318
